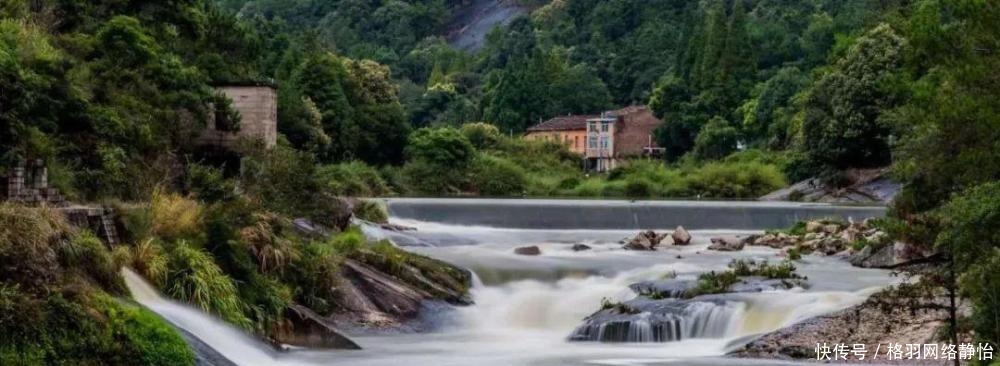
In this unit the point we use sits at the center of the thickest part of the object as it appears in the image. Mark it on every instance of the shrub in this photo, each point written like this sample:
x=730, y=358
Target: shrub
x=314, y=275
x=195, y=278
x=153, y=340
x=372, y=211
x=638, y=188
x=265, y=241
x=716, y=140
x=428, y=179
x=174, y=216
x=86, y=253
x=722, y=180
x=495, y=176
x=355, y=179
x=208, y=184
x=28, y=239
x=443, y=147
x=482, y=135
x=150, y=260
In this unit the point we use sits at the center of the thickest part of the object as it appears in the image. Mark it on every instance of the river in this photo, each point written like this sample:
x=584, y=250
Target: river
x=527, y=306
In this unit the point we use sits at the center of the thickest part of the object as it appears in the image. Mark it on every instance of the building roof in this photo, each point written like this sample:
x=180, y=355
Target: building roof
x=579, y=122
x=563, y=123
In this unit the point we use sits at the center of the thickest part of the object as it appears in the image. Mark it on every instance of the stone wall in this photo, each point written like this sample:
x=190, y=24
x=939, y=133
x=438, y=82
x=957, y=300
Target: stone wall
x=258, y=107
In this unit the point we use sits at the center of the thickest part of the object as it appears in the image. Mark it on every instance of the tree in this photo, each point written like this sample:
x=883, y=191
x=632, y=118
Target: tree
x=446, y=148
x=716, y=140
x=843, y=125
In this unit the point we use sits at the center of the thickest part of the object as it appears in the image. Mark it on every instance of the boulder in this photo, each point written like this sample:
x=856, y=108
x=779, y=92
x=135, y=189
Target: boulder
x=647, y=240
x=831, y=228
x=304, y=328
x=814, y=227
x=664, y=289
x=532, y=250
x=580, y=247
x=728, y=243
x=890, y=256
x=681, y=236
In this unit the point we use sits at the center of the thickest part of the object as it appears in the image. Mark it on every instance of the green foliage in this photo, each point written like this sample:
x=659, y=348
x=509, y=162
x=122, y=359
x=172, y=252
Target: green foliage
x=618, y=307
x=716, y=140
x=482, y=135
x=194, y=277
x=442, y=147
x=372, y=211
x=843, y=125
x=496, y=176
x=208, y=184
x=354, y=179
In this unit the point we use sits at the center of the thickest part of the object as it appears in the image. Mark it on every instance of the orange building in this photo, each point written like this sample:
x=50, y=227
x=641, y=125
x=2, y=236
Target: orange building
x=569, y=130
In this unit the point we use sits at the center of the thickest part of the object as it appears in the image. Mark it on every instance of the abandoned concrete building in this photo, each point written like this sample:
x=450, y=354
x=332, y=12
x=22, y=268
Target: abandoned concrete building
x=257, y=104
x=606, y=140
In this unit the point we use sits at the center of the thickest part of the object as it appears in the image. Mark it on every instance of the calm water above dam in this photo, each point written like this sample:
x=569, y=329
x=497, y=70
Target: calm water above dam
x=526, y=307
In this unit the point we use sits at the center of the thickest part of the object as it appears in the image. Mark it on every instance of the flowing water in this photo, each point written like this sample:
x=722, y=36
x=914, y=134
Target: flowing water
x=527, y=307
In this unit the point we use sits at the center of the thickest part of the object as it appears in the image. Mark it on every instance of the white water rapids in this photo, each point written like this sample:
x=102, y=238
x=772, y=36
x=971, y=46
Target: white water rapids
x=526, y=307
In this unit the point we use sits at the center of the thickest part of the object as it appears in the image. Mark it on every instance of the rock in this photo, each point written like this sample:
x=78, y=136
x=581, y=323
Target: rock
x=890, y=256
x=850, y=234
x=867, y=186
x=532, y=250
x=830, y=246
x=396, y=228
x=662, y=315
x=727, y=243
x=307, y=329
x=647, y=240
x=814, y=227
x=831, y=228
x=370, y=297
x=665, y=289
x=681, y=236
x=580, y=247
x=871, y=323
x=764, y=240
x=307, y=227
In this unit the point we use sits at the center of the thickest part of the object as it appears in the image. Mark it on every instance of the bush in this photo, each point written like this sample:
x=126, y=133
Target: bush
x=195, y=278
x=208, y=184
x=482, y=135
x=722, y=180
x=447, y=148
x=372, y=211
x=638, y=188
x=716, y=140
x=428, y=179
x=173, y=216
x=85, y=253
x=495, y=176
x=355, y=179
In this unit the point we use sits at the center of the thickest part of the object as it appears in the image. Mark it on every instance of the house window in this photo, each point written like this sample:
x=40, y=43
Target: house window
x=576, y=142
x=604, y=143
x=592, y=143
x=604, y=126
x=593, y=126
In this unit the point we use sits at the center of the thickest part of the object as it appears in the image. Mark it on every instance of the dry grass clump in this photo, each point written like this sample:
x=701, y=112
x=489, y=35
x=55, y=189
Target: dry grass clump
x=174, y=216
x=263, y=239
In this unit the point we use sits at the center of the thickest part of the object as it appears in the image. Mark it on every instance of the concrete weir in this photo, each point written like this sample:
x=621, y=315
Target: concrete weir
x=620, y=214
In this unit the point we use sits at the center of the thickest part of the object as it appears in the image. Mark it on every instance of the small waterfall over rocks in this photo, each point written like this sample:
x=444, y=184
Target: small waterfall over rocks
x=661, y=321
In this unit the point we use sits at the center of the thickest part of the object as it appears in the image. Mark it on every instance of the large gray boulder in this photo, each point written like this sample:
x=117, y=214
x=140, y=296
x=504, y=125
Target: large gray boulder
x=890, y=256
x=869, y=186
x=681, y=236
x=532, y=250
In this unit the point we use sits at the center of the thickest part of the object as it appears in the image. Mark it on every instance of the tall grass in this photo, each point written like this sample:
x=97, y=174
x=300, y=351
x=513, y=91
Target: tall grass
x=174, y=216
x=194, y=277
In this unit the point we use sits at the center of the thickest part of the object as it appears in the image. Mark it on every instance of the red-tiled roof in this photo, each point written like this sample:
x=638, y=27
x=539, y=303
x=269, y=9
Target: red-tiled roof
x=563, y=123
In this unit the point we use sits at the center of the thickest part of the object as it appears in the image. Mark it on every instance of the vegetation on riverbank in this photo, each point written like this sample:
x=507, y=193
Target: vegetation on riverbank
x=57, y=300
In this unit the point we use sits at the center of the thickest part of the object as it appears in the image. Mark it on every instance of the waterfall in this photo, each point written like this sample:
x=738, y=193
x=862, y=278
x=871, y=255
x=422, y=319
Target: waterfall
x=671, y=321
x=229, y=342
